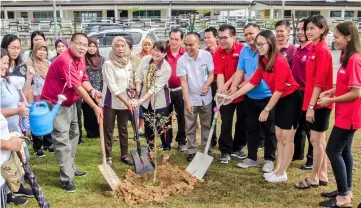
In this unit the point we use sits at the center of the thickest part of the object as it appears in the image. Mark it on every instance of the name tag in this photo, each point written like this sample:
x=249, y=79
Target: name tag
x=235, y=55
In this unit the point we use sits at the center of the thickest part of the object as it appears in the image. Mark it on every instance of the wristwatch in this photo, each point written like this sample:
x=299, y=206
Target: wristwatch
x=311, y=107
x=267, y=109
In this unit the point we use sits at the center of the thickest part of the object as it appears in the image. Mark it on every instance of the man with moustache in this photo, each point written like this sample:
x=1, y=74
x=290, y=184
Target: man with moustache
x=174, y=52
x=287, y=49
x=67, y=76
x=195, y=69
x=299, y=60
x=210, y=40
x=255, y=101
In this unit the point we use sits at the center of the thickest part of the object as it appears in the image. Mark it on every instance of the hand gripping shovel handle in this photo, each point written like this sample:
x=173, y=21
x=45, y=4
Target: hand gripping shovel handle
x=216, y=110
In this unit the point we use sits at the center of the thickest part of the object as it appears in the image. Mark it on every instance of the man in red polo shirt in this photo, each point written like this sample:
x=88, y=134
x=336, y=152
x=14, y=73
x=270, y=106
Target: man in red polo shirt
x=226, y=61
x=67, y=76
x=174, y=52
x=287, y=49
x=210, y=40
x=299, y=60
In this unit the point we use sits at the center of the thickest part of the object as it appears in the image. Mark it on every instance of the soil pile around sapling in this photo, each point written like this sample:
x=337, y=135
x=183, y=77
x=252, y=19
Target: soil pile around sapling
x=138, y=188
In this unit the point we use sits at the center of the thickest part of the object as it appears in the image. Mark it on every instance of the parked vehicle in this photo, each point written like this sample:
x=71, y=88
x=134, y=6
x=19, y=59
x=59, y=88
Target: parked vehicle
x=98, y=27
x=136, y=35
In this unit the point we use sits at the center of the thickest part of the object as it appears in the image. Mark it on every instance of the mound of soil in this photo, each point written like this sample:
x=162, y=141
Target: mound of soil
x=138, y=188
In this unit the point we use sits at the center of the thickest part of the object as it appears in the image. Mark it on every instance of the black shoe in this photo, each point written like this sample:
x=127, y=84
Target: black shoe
x=127, y=160
x=261, y=144
x=210, y=153
x=332, y=203
x=39, y=153
x=329, y=194
x=110, y=162
x=23, y=191
x=190, y=157
x=306, y=167
x=69, y=186
x=80, y=173
x=239, y=154
x=16, y=200
x=50, y=149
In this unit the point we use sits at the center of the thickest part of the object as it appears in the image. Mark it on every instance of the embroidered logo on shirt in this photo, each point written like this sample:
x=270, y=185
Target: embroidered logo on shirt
x=285, y=54
x=312, y=58
x=342, y=71
x=22, y=70
x=304, y=58
x=81, y=73
x=235, y=55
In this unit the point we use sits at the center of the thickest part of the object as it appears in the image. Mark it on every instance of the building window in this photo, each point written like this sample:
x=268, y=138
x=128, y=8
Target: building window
x=151, y=14
x=11, y=15
x=176, y=13
x=349, y=14
x=335, y=13
x=24, y=15
x=80, y=15
x=45, y=16
x=301, y=14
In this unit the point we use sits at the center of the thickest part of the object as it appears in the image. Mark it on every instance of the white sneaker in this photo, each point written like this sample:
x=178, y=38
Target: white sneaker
x=247, y=163
x=268, y=166
x=276, y=179
x=266, y=175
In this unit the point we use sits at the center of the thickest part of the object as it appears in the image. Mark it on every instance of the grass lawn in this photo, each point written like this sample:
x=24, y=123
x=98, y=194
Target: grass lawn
x=224, y=186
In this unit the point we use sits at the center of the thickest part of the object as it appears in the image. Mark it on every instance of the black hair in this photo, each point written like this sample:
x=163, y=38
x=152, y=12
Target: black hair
x=302, y=20
x=213, y=30
x=2, y=54
x=195, y=34
x=7, y=39
x=177, y=30
x=272, y=52
x=251, y=25
x=160, y=45
x=224, y=27
x=320, y=22
x=73, y=37
x=349, y=28
x=33, y=35
x=283, y=22
x=130, y=43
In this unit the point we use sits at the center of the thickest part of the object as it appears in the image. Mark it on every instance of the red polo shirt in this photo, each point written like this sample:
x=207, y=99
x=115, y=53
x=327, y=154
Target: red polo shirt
x=65, y=73
x=319, y=72
x=348, y=114
x=226, y=63
x=280, y=79
x=174, y=81
x=298, y=67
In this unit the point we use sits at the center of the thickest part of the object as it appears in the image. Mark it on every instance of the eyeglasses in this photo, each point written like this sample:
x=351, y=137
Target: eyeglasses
x=260, y=45
x=14, y=48
x=223, y=38
x=81, y=45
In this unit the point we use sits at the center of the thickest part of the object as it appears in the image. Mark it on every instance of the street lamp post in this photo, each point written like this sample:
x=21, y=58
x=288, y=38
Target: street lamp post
x=283, y=9
x=170, y=10
x=55, y=20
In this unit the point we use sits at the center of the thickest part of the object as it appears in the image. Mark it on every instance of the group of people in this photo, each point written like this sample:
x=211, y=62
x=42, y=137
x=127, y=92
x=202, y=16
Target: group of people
x=281, y=94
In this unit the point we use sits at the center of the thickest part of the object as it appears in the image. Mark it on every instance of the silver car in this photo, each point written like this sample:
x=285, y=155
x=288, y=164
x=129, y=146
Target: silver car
x=136, y=35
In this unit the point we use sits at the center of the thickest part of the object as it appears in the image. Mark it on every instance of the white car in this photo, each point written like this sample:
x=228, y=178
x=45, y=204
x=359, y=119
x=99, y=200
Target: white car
x=136, y=35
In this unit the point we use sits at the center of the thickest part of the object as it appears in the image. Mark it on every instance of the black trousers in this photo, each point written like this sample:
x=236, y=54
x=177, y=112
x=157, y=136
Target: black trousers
x=254, y=129
x=300, y=140
x=226, y=142
x=214, y=91
x=39, y=141
x=78, y=111
x=90, y=121
x=177, y=104
x=148, y=130
x=339, y=151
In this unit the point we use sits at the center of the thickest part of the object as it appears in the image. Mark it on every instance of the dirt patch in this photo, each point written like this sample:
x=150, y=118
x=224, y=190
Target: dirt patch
x=138, y=188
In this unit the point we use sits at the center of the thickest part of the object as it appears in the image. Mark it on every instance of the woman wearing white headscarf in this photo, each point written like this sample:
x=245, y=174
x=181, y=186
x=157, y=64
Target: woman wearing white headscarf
x=117, y=75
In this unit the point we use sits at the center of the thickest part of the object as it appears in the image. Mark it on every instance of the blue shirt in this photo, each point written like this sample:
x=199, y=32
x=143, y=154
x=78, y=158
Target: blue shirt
x=10, y=98
x=248, y=62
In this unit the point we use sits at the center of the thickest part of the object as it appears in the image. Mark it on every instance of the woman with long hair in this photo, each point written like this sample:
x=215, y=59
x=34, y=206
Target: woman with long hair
x=94, y=62
x=147, y=46
x=117, y=74
x=35, y=36
x=347, y=99
x=39, y=61
x=154, y=72
x=61, y=45
x=319, y=78
x=18, y=73
x=274, y=69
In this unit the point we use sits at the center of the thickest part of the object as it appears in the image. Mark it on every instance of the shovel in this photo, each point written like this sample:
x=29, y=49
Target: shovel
x=201, y=162
x=107, y=171
x=142, y=164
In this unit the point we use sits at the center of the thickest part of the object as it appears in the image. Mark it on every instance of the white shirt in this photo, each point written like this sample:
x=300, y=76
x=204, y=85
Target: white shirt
x=115, y=82
x=4, y=135
x=197, y=74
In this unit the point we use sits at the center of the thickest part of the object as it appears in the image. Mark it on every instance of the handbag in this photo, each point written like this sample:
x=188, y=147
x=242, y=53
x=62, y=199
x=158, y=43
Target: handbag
x=13, y=172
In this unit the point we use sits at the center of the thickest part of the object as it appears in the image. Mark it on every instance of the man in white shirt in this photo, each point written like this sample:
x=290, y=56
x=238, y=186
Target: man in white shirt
x=195, y=69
